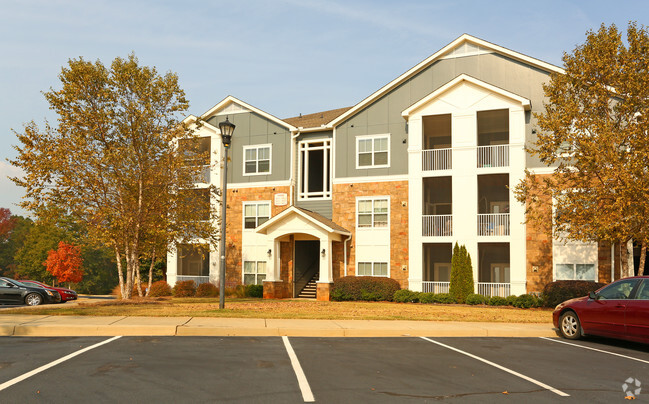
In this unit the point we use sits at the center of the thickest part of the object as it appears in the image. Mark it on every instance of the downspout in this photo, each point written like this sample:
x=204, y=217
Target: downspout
x=293, y=166
x=345, y=252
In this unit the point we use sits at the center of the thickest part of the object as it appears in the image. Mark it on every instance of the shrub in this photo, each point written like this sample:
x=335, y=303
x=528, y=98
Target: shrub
x=406, y=296
x=474, y=299
x=497, y=301
x=461, y=274
x=559, y=291
x=118, y=292
x=160, y=288
x=364, y=288
x=426, y=298
x=185, y=289
x=444, y=298
x=526, y=301
x=207, y=290
x=511, y=300
x=255, y=290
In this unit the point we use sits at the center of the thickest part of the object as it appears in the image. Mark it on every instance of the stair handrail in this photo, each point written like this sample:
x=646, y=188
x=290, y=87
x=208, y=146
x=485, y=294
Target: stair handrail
x=300, y=283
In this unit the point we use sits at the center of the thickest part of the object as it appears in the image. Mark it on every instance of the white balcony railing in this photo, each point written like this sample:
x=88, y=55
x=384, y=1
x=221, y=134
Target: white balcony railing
x=437, y=225
x=435, y=287
x=438, y=159
x=493, y=289
x=197, y=279
x=493, y=156
x=493, y=224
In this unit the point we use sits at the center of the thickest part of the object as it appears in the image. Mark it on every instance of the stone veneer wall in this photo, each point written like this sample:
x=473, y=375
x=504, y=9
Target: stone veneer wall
x=236, y=197
x=344, y=214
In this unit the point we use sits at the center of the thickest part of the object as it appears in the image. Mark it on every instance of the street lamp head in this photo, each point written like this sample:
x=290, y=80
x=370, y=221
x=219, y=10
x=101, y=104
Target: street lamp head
x=227, y=129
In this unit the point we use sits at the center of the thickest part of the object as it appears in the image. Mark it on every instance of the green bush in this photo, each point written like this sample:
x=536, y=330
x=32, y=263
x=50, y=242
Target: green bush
x=254, y=290
x=207, y=290
x=185, y=289
x=511, y=300
x=406, y=296
x=560, y=291
x=474, y=299
x=461, y=274
x=426, y=298
x=527, y=301
x=364, y=288
x=497, y=301
x=160, y=288
x=444, y=298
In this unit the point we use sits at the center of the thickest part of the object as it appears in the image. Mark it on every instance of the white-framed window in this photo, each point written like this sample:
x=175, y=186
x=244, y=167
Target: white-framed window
x=256, y=159
x=254, y=272
x=372, y=212
x=372, y=269
x=373, y=151
x=255, y=213
x=585, y=272
x=314, y=177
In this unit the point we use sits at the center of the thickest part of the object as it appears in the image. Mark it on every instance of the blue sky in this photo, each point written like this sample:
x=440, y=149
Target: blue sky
x=284, y=56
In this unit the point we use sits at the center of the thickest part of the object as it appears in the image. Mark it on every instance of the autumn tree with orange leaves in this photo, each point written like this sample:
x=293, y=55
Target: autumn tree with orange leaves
x=65, y=263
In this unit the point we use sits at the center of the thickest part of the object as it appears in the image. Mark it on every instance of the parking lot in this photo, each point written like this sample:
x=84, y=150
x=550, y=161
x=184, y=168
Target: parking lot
x=327, y=370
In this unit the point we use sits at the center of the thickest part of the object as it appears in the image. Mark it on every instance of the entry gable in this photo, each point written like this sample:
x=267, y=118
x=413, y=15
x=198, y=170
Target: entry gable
x=231, y=105
x=298, y=220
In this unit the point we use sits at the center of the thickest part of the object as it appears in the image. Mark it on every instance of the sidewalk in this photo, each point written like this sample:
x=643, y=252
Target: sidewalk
x=50, y=326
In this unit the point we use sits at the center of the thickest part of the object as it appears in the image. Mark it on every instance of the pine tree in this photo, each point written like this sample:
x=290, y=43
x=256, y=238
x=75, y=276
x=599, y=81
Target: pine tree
x=461, y=274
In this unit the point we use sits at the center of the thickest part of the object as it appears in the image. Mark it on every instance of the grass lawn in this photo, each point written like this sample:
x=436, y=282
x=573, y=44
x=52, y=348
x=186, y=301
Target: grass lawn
x=301, y=309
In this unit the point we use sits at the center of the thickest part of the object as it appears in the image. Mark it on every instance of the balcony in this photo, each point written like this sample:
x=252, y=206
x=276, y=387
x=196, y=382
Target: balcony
x=493, y=156
x=435, y=287
x=491, y=289
x=493, y=224
x=437, y=225
x=437, y=159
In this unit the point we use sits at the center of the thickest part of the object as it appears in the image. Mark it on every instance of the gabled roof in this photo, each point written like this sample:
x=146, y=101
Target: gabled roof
x=315, y=218
x=315, y=119
x=465, y=38
x=232, y=100
x=466, y=78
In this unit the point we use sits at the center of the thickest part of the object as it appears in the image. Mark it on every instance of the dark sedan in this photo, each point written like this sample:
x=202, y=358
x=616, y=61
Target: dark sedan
x=619, y=310
x=66, y=294
x=14, y=292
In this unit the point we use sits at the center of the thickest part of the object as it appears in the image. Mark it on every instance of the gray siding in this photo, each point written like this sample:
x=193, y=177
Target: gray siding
x=323, y=207
x=253, y=129
x=384, y=115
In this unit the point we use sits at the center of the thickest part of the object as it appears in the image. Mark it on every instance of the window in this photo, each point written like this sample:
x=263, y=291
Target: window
x=254, y=272
x=256, y=159
x=372, y=212
x=643, y=291
x=193, y=260
x=585, y=272
x=618, y=290
x=255, y=213
x=315, y=169
x=372, y=151
x=372, y=269
x=199, y=198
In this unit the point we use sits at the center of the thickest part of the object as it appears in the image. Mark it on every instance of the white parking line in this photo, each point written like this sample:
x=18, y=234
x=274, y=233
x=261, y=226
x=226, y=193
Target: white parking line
x=307, y=395
x=54, y=363
x=529, y=379
x=595, y=349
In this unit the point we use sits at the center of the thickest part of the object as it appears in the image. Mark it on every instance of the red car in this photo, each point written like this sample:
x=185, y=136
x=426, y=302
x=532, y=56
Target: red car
x=619, y=310
x=66, y=294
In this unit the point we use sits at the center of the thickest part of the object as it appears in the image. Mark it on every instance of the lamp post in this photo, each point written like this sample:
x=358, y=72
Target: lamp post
x=227, y=129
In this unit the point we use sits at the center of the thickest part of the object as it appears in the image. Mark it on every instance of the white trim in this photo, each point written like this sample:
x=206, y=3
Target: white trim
x=256, y=273
x=269, y=184
x=257, y=147
x=294, y=210
x=230, y=99
x=368, y=179
x=373, y=199
x=373, y=152
x=542, y=170
x=527, y=104
x=387, y=265
x=303, y=148
x=437, y=55
x=256, y=203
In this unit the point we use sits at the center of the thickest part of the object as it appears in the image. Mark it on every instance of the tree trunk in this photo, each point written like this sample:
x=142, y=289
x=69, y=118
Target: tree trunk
x=138, y=280
x=148, y=289
x=120, y=275
x=128, y=288
x=643, y=256
x=629, y=258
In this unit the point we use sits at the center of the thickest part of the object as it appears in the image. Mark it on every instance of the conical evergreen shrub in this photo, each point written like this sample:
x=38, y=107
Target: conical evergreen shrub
x=461, y=274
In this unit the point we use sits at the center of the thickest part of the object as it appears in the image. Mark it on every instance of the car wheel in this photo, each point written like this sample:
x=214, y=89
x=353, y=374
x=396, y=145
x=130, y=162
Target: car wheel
x=33, y=299
x=569, y=325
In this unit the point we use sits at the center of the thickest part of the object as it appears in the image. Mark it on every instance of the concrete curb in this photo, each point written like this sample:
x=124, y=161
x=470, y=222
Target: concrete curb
x=50, y=326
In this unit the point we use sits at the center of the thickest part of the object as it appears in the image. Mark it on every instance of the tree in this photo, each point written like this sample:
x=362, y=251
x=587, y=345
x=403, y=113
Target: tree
x=594, y=133
x=65, y=263
x=12, y=244
x=461, y=274
x=112, y=162
x=7, y=223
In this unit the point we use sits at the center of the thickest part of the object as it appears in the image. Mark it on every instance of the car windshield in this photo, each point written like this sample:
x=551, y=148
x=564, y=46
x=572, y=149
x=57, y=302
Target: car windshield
x=618, y=290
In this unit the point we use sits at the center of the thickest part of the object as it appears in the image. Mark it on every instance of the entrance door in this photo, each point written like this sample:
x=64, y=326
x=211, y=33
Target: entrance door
x=307, y=263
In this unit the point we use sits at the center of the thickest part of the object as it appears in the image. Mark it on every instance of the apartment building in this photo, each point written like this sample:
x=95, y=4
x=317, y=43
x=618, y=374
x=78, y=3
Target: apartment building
x=388, y=186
